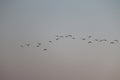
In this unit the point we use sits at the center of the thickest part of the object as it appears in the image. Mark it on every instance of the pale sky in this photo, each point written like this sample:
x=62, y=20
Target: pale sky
x=40, y=20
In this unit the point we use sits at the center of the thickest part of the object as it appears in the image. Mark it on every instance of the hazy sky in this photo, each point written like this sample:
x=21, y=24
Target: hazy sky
x=41, y=20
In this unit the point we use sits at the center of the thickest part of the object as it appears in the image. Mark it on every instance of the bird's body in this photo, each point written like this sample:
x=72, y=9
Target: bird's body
x=89, y=36
x=28, y=45
x=50, y=41
x=90, y=42
x=116, y=40
x=111, y=42
x=83, y=39
x=57, y=38
x=73, y=38
x=44, y=49
x=21, y=46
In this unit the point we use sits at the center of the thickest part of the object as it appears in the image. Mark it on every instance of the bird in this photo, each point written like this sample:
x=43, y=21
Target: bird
x=70, y=35
x=73, y=37
x=66, y=36
x=111, y=42
x=21, y=46
x=89, y=36
x=61, y=36
x=27, y=44
x=38, y=44
x=83, y=39
x=101, y=40
x=57, y=38
x=44, y=49
x=116, y=40
x=104, y=39
x=50, y=41
x=96, y=39
x=90, y=42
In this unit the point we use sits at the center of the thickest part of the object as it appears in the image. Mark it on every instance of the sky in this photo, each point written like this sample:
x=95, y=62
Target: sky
x=35, y=21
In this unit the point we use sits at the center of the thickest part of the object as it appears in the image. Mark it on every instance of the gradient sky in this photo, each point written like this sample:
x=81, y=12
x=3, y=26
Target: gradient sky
x=41, y=20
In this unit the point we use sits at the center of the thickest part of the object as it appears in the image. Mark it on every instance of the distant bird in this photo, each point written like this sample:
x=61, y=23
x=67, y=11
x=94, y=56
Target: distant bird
x=57, y=39
x=28, y=45
x=101, y=40
x=83, y=39
x=21, y=46
x=38, y=45
x=57, y=36
x=104, y=39
x=44, y=49
x=70, y=35
x=66, y=36
x=96, y=39
x=50, y=41
x=61, y=36
x=116, y=40
x=89, y=36
x=73, y=38
x=111, y=42
x=90, y=42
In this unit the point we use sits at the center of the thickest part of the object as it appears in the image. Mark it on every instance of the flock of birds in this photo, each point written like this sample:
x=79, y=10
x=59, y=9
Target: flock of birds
x=89, y=40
